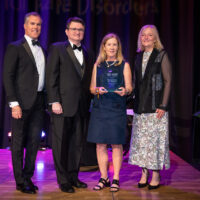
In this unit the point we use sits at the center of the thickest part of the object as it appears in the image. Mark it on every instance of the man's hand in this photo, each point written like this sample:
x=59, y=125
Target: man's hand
x=57, y=108
x=16, y=112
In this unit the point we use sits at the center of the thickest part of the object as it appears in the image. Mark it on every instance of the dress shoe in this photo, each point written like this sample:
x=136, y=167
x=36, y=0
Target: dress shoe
x=66, y=187
x=79, y=184
x=19, y=186
x=28, y=189
x=142, y=185
x=153, y=187
x=30, y=183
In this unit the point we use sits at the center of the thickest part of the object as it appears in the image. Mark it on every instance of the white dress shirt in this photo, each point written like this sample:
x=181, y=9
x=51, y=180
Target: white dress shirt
x=78, y=54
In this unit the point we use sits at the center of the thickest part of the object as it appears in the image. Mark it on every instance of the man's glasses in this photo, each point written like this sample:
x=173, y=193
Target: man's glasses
x=76, y=29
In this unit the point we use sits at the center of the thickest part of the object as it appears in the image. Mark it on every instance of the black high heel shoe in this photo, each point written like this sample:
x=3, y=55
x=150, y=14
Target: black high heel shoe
x=153, y=187
x=105, y=183
x=114, y=188
x=142, y=185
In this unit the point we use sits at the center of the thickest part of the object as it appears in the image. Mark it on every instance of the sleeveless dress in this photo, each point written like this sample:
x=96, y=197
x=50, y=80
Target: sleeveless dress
x=107, y=123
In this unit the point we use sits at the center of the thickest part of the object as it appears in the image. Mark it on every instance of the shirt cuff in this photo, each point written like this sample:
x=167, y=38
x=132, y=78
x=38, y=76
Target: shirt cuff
x=13, y=104
x=53, y=103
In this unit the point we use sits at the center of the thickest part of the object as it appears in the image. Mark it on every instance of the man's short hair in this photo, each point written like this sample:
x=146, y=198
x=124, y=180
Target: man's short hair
x=74, y=19
x=31, y=14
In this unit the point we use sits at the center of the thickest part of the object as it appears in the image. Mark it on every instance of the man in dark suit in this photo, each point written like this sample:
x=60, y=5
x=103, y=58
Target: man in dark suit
x=68, y=76
x=24, y=70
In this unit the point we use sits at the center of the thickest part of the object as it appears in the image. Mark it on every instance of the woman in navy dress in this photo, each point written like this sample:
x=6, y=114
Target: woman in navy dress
x=111, y=82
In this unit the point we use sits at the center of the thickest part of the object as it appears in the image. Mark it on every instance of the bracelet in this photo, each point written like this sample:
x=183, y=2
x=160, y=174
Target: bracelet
x=163, y=108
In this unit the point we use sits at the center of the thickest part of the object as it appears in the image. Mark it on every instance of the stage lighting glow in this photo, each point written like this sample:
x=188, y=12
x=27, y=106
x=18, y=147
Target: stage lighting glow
x=9, y=134
x=40, y=166
x=43, y=134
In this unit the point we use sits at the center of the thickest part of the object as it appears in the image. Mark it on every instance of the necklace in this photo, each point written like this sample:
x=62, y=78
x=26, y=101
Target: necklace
x=108, y=65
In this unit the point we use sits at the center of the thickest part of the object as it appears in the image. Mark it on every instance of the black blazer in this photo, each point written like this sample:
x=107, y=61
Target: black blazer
x=66, y=81
x=149, y=90
x=20, y=74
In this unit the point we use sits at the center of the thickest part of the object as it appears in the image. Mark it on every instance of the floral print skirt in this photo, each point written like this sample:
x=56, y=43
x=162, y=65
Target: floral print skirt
x=149, y=147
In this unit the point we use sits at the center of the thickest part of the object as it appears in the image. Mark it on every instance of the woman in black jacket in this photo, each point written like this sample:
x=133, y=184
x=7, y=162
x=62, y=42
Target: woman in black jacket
x=149, y=146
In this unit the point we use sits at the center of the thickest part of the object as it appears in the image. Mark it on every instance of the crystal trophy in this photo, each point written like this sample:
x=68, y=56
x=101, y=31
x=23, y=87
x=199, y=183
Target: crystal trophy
x=111, y=80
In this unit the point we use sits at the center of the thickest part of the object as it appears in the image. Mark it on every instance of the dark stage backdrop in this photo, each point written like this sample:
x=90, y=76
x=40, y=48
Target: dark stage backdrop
x=177, y=21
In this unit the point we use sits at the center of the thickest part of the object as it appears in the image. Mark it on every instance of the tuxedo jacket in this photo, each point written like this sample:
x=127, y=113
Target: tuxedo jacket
x=67, y=82
x=20, y=74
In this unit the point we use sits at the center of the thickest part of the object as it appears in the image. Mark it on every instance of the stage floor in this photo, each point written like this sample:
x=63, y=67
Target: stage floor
x=180, y=182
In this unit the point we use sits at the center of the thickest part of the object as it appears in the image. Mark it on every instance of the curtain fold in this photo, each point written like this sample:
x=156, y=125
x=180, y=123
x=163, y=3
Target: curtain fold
x=174, y=20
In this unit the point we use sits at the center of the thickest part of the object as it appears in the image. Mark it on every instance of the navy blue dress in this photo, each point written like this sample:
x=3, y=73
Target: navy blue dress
x=108, y=116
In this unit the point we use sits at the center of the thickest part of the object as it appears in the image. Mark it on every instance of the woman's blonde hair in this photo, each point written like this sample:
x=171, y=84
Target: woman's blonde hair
x=158, y=45
x=102, y=54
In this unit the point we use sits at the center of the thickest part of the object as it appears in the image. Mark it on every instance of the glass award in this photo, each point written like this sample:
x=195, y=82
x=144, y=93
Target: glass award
x=111, y=80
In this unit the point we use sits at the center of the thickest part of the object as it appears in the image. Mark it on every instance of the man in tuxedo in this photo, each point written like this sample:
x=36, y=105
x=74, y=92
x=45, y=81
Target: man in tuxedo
x=68, y=76
x=24, y=70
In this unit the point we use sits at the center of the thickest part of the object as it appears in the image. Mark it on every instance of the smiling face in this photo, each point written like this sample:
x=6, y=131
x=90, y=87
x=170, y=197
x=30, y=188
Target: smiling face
x=75, y=32
x=32, y=26
x=111, y=48
x=148, y=39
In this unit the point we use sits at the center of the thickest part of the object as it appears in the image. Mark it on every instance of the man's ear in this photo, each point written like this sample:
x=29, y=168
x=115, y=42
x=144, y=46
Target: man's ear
x=66, y=31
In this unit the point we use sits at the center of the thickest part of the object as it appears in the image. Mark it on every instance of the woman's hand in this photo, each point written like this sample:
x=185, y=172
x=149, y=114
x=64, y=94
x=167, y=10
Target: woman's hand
x=121, y=91
x=160, y=113
x=100, y=91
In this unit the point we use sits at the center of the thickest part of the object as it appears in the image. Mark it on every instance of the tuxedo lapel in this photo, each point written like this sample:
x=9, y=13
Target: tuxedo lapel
x=76, y=63
x=85, y=60
x=28, y=50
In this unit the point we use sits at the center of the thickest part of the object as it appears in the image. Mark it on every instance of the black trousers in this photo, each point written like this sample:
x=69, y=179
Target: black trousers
x=67, y=144
x=26, y=134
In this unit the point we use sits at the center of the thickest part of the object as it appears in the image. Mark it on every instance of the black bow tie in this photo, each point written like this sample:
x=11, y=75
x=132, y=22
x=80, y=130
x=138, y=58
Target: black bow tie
x=75, y=47
x=35, y=42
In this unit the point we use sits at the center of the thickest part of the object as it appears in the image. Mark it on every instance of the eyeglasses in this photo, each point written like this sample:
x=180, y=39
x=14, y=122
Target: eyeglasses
x=76, y=29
